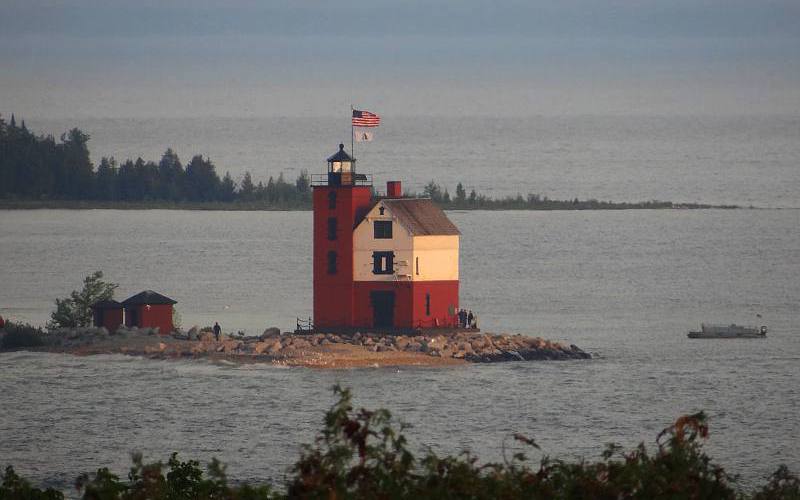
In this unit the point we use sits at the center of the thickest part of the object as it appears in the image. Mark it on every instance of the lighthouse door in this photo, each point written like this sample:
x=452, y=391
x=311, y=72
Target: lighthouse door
x=382, y=309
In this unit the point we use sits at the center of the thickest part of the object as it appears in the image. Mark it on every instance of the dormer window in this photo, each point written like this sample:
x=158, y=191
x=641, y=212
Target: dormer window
x=383, y=229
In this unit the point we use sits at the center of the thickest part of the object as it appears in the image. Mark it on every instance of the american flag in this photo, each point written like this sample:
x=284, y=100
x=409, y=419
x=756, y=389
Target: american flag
x=365, y=119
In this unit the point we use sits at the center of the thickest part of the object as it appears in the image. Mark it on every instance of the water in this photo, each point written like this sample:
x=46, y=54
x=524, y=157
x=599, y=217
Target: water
x=623, y=285
x=626, y=286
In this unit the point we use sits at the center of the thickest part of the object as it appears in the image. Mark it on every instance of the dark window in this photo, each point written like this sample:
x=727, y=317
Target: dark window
x=382, y=262
x=383, y=229
x=331, y=262
x=331, y=228
x=417, y=266
x=381, y=209
x=428, y=304
x=332, y=200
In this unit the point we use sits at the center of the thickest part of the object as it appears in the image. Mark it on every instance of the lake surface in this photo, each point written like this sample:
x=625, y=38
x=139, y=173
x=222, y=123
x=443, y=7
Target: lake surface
x=625, y=286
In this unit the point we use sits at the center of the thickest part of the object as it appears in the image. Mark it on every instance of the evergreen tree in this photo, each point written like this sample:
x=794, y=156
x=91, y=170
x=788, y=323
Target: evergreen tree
x=76, y=310
x=303, y=182
x=247, y=189
x=76, y=173
x=126, y=181
x=202, y=181
x=227, y=189
x=433, y=191
x=171, y=176
x=269, y=191
x=106, y=179
x=461, y=194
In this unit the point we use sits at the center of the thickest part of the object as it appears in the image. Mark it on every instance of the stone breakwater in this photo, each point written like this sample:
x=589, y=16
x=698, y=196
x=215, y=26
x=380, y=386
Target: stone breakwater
x=473, y=347
x=324, y=350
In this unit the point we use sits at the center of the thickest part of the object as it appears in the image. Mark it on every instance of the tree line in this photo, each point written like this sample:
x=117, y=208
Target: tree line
x=37, y=167
x=474, y=201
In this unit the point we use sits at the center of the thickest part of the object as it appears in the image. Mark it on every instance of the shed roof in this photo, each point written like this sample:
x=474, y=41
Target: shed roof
x=421, y=216
x=148, y=297
x=107, y=304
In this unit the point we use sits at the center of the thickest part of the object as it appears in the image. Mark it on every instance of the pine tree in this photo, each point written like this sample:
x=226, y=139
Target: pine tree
x=246, y=188
x=227, y=189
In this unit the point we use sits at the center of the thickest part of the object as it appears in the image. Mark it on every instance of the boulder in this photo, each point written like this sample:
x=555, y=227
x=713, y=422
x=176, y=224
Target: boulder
x=301, y=344
x=274, y=347
x=261, y=347
x=413, y=347
x=231, y=346
x=270, y=333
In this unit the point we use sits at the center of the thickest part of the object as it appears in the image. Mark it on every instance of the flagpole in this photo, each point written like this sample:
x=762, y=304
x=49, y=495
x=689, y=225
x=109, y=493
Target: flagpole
x=352, y=134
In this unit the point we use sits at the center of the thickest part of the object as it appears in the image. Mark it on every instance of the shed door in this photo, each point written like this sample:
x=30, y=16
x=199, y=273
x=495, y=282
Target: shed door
x=382, y=309
x=132, y=317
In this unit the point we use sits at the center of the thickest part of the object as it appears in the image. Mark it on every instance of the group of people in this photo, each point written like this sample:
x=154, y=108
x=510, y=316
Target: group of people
x=467, y=319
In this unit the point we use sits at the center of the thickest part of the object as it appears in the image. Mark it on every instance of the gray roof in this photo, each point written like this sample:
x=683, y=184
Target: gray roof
x=107, y=304
x=148, y=297
x=421, y=216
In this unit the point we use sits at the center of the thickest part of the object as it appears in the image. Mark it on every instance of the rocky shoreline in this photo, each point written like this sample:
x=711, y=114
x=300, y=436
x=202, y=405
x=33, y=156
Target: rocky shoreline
x=323, y=350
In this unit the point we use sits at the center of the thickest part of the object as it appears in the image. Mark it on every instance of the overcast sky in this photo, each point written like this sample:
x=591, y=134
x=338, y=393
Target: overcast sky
x=62, y=58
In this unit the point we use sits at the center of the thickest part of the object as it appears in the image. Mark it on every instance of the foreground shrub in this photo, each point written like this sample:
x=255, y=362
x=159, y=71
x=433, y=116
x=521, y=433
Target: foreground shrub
x=18, y=335
x=364, y=455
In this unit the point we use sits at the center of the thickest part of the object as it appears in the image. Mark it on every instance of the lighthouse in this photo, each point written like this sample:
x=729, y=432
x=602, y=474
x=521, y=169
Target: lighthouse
x=341, y=198
x=384, y=263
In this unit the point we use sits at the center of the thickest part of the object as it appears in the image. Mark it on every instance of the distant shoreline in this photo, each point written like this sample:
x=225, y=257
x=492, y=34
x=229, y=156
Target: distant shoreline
x=554, y=205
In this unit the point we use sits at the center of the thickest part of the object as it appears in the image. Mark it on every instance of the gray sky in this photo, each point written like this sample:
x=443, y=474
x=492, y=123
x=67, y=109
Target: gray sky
x=62, y=58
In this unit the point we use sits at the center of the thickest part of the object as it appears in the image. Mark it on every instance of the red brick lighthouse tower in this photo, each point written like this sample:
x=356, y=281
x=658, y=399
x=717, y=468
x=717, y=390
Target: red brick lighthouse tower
x=341, y=199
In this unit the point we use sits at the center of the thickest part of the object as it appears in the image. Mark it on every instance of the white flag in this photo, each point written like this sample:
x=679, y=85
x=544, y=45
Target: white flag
x=362, y=136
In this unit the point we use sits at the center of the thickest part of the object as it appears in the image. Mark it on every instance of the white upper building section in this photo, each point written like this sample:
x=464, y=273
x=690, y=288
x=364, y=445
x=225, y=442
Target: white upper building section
x=405, y=239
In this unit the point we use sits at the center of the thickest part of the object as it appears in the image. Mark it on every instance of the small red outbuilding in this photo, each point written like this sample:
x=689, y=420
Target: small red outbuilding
x=107, y=313
x=149, y=309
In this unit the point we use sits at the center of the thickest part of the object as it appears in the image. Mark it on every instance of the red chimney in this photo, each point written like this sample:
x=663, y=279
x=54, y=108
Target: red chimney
x=394, y=189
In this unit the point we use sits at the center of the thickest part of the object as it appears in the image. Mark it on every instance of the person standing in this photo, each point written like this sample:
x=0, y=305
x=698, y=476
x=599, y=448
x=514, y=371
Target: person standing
x=470, y=318
x=217, y=331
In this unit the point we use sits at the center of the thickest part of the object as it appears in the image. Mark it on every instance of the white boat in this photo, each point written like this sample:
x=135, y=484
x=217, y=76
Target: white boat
x=731, y=331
